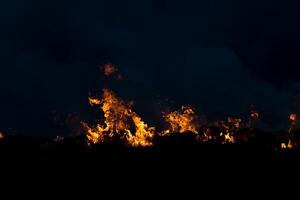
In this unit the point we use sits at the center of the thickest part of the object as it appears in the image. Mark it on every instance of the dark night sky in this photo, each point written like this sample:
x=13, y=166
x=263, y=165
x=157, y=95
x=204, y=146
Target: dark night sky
x=219, y=55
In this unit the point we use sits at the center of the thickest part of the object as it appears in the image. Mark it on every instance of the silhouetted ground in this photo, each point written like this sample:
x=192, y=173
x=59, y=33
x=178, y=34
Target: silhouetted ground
x=178, y=148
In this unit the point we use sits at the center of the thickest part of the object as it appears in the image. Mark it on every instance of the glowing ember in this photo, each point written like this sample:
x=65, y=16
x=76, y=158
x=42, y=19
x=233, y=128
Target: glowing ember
x=111, y=70
x=120, y=120
x=254, y=115
x=293, y=117
x=229, y=129
x=181, y=121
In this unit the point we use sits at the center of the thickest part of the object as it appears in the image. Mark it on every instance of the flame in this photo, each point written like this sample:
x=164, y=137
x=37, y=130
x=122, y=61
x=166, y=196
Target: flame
x=293, y=117
x=94, y=101
x=111, y=70
x=1, y=136
x=228, y=137
x=290, y=145
x=229, y=129
x=143, y=135
x=119, y=122
x=122, y=123
x=181, y=121
x=94, y=135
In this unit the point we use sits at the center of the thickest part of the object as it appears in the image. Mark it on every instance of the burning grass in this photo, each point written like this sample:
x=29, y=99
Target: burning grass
x=120, y=122
x=123, y=124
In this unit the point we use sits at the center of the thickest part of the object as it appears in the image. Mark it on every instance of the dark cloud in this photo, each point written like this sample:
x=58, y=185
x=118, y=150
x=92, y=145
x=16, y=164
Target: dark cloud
x=221, y=56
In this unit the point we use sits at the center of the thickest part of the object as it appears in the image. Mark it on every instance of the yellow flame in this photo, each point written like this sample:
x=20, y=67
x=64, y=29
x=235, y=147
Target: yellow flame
x=143, y=135
x=119, y=121
x=94, y=101
x=229, y=138
x=181, y=121
x=289, y=145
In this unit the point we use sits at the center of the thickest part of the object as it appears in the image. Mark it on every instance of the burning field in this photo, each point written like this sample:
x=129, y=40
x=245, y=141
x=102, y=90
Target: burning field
x=123, y=134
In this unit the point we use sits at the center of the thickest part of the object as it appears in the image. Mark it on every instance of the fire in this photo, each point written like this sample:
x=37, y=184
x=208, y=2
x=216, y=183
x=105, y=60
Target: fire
x=120, y=121
x=94, y=101
x=143, y=135
x=228, y=137
x=94, y=135
x=111, y=70
x=290, y=145
x=229, y=129
x=181, y=121
x=293, y=117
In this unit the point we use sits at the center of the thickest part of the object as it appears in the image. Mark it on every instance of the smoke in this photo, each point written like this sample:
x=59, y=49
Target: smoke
x=221, y=56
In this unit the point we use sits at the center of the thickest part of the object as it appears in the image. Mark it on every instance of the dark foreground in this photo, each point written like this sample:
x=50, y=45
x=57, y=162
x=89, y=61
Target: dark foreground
x=177, y=148
x=170, y=158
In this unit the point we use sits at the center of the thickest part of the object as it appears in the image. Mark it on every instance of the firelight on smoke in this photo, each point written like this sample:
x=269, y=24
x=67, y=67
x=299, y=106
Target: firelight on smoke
x=122, y=123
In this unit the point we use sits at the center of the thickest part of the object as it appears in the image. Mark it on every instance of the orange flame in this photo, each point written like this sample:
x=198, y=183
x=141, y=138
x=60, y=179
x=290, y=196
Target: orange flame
x=119, y=122
x=229, y=129
x=143, y=135
x=1, y=136
x=181, y=121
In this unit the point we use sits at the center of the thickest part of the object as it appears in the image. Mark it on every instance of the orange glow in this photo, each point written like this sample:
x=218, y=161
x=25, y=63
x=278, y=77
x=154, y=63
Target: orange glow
x=111, y=70
x=293, y=117
x=254, y=115
x=181, y=121
x=122, y=123
x=120, y=120
x=289, y=145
